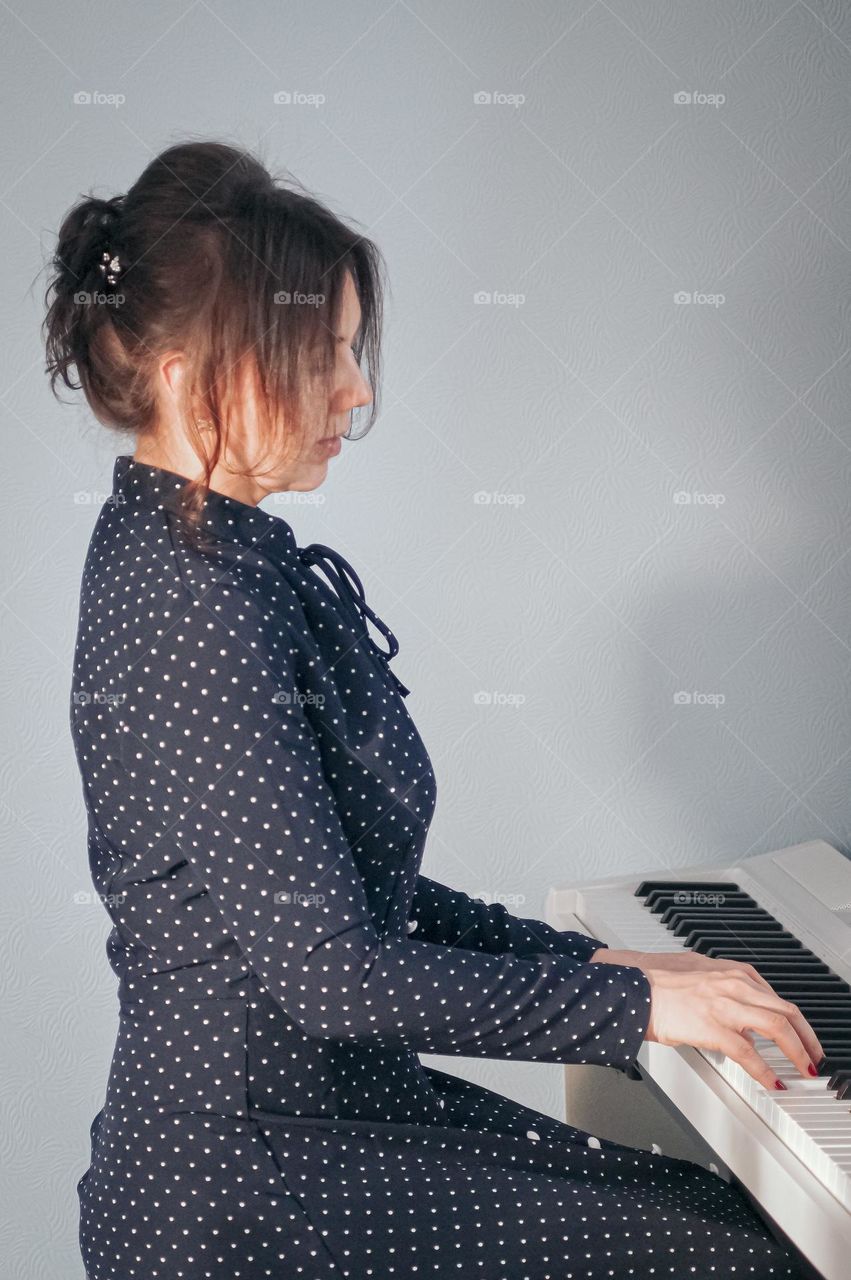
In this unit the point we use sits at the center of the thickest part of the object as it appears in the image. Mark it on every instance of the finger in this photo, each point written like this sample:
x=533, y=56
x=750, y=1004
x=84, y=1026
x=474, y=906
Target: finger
x=771, y=1024
x=739, y=1049
x=791, y=1011
x=808, y=1036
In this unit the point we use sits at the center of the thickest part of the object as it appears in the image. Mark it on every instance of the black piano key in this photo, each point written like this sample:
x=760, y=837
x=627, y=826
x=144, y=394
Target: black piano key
x=810, y=986
x=838, y=1078
x=672, y=915
x=663, y=899
x=733, y=907
x=820, y=1021
x=647, y=886
x=776, y=972
x=829, y=1065
x=678, y=911
x=784, y=960
x=827, y=1073
x=835, y=1038
x=733, y=929
x=734, y=951
x=700, y=939
x=836, y=1052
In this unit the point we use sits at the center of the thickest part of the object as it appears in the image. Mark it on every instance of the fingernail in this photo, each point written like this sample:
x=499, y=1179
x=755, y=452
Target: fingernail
x=778, y=1084
x=812, y=1069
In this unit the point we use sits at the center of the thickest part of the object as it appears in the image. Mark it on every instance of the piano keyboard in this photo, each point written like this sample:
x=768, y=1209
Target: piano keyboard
x=789, y=914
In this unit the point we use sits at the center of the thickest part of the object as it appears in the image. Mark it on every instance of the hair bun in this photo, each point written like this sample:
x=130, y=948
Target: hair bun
x=104, y=214
x=98, y=240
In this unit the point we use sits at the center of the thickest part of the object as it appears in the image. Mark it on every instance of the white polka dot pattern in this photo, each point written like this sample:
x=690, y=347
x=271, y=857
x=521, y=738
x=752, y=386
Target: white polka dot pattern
x=258, y=801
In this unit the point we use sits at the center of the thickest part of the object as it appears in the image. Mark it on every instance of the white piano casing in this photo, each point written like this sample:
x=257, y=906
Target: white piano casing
x=792, y=1149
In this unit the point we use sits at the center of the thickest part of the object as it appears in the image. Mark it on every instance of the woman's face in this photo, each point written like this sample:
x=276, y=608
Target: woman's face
x=348, y=391
x=306, y=465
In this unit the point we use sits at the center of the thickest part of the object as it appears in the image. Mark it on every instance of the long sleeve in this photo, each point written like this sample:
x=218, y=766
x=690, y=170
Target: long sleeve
x=452, y=918
x=215, y=737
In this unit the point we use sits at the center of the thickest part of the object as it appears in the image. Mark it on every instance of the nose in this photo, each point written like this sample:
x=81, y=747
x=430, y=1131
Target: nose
x=362, y=393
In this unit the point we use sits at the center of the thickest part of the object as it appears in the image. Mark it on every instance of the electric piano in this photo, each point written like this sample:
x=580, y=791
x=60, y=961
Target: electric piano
x=789, y=914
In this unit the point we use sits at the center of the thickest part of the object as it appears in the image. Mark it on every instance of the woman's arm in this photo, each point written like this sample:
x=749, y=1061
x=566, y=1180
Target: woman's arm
x=229, y=773
x=450, y=917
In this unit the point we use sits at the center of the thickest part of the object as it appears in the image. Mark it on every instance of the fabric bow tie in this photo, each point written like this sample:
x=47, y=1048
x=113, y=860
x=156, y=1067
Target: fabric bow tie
x=349, y=589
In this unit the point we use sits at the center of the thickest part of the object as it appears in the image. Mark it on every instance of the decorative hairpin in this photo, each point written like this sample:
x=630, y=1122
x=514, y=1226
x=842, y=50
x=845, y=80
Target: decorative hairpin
x=110, y=266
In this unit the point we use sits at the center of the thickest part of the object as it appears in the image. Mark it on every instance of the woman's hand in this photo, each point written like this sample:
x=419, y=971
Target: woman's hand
x=715, y=1004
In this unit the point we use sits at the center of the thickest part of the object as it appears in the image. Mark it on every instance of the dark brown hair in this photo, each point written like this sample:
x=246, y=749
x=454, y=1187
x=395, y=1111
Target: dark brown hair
x=222, y=261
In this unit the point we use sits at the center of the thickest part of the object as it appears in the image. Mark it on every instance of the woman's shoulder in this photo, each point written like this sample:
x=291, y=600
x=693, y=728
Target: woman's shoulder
x=145, y=582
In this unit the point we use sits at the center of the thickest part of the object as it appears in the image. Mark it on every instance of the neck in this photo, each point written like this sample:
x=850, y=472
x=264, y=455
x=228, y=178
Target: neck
x=184, y=462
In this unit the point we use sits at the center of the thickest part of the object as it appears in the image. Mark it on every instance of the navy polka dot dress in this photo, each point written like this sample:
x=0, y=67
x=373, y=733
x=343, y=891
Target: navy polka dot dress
x=258, y=800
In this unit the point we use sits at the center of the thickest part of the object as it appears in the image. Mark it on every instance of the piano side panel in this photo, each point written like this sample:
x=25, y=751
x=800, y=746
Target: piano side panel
x=609, y=1105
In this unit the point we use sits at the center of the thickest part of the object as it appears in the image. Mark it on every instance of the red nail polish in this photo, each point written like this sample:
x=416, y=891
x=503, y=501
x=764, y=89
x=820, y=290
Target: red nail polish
x=812, y=1070
x=778, y=1084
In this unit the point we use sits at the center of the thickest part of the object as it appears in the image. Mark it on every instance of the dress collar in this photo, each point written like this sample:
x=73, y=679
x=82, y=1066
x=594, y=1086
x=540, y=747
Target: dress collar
x=143, y=485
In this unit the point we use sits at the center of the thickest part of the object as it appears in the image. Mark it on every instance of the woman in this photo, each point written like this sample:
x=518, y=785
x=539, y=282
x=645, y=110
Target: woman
x=258, y=799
